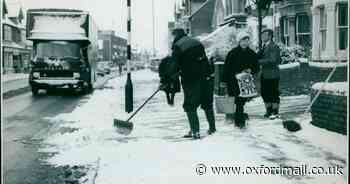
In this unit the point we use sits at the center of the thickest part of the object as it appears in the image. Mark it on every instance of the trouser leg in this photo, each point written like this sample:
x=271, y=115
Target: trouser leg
x=193, y=121
x=209, y=113
x=239, y=115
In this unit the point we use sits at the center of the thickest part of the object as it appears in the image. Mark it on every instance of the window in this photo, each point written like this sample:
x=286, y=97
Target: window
x=342, y=26
x=228, y=7
x=7, y=33
x=303, y=31
x=286, y=31
x=323, y=27
x=238, y=6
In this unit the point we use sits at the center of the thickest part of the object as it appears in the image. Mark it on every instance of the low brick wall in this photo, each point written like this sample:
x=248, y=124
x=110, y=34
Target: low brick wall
x=330, y=112
x=296, y=80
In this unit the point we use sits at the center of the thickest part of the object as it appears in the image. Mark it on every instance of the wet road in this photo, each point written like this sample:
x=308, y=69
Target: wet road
x=25, y=126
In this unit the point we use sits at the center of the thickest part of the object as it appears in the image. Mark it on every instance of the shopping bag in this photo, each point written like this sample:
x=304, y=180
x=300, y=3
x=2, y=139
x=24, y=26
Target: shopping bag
x=247, y=88
x=225, y=104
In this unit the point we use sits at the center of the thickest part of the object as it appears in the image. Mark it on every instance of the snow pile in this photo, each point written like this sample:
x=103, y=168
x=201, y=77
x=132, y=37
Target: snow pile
x=327, y=65
x=220, y=42
x=335, y=88
x=289, y=66
x=156, y=153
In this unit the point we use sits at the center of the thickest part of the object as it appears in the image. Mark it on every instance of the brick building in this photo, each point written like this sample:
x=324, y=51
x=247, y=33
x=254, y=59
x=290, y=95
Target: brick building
x=112, y=47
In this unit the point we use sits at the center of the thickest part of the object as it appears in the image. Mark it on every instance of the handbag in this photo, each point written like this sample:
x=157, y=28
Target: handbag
x=225, y=104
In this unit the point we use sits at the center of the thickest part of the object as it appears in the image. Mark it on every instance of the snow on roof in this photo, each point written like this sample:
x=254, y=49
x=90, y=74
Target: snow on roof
x=57, y=36
x=335, y=88
x=9, y=22
x=58, y=27
x=210, y=4
x=327, y=65
x=220, y=41
x=13, y=9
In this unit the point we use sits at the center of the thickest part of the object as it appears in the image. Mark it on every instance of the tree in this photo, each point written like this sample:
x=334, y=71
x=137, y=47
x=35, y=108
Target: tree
x=262, y=7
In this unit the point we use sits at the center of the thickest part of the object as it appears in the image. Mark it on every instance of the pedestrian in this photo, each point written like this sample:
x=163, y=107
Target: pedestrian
x=239, y=59
x=197, y=80
x=169, y=78
x=269, y=59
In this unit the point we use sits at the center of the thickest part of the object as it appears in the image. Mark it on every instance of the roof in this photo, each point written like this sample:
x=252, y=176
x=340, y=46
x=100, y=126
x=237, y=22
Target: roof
x=14, y=9
x=4, y=7
x=207, y=7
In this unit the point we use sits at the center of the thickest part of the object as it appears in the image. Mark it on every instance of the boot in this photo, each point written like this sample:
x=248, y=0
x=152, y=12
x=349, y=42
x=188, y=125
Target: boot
x=194, y=123
x=239, y=116
x=268, y=107
x=211, y=121
x=239, y=120
x=275, y=111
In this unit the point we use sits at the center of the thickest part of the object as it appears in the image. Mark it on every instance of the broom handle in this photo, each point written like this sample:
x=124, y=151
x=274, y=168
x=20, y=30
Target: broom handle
x=144, y=103
x=322, y=87
x=148, y=99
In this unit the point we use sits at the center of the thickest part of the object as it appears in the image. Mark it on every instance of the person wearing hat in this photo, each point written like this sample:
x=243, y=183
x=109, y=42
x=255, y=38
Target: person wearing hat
x=196, y=79
x=269, y=59
x=239, y=59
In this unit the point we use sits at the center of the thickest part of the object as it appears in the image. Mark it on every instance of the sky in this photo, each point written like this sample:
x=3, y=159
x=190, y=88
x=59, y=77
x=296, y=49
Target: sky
x=112, y=14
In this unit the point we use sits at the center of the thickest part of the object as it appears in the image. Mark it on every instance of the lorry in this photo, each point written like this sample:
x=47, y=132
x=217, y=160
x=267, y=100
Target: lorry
x=65, y=49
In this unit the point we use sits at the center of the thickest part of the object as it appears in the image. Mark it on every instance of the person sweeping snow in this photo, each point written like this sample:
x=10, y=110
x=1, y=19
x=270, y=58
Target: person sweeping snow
x=196, y=79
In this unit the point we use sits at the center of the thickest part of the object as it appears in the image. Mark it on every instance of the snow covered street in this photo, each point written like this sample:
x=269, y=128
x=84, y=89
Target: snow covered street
x=155, y=152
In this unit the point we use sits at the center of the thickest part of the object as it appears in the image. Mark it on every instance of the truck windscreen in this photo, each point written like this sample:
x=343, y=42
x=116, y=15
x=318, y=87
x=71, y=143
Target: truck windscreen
x=57, y=49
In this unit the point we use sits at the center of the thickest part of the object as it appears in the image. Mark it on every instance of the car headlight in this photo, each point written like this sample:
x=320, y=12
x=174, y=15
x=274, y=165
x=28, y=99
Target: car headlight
x=36, y=74
x=76, y=75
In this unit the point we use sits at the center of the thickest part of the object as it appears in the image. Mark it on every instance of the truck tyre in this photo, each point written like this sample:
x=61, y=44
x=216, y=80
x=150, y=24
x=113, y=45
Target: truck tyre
x=35, y=90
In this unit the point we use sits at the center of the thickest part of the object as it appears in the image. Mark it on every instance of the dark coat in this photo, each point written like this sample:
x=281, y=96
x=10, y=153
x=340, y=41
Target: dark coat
x=168, y=74
x=236, y=61
x=192, y=60
x=269, y=61
x=195, y=71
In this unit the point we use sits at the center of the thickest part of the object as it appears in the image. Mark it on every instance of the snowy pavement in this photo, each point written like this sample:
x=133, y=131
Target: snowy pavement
x=155, y=152
x=14, y=76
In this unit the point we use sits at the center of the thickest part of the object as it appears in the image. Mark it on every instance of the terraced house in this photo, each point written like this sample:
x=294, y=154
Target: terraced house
x=16, y=49
x=330, y=30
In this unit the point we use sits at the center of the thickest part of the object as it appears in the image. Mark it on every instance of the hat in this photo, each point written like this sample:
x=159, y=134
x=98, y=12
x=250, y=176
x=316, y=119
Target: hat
x=267, y=30
x=178, y=31
x=242, y=35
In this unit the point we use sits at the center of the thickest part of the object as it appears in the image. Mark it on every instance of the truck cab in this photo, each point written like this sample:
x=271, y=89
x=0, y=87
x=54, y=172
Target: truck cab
x=64, y=49
x=60, y=64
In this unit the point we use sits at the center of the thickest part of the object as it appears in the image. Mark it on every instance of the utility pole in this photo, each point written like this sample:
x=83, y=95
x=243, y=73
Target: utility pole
x=128, y=86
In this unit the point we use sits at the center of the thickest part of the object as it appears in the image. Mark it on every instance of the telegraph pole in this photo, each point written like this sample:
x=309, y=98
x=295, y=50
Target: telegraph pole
x=128, y=86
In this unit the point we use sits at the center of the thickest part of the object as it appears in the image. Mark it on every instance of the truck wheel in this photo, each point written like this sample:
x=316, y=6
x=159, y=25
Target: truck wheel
x=35, y=90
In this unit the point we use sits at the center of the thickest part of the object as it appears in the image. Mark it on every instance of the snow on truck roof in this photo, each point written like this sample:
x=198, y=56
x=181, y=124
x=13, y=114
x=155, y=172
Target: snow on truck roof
x=57, y=24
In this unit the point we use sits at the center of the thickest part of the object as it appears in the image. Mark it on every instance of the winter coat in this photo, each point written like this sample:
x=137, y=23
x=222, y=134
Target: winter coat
x=168, y=74
x=192, y=60
x=269, y=60
x=196, y=73
x=236, y=61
